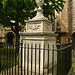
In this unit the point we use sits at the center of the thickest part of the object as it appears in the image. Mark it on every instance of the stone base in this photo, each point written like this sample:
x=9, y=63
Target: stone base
x=4, y=72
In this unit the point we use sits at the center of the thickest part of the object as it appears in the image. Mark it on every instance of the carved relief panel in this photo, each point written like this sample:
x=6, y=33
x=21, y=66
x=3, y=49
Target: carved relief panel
x=47, y=27
x=33, y=27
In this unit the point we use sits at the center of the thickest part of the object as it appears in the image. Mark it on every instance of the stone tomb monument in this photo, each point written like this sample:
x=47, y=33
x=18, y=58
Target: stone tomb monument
x=39, y=31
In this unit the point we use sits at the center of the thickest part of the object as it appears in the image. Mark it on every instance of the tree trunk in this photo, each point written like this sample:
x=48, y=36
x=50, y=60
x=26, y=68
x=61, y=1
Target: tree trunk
x=16, y=31
x=17, y=36
x=17, y=41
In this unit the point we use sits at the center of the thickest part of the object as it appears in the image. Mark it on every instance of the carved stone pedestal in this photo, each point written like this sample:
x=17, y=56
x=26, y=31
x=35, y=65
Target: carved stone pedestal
x=39, y=31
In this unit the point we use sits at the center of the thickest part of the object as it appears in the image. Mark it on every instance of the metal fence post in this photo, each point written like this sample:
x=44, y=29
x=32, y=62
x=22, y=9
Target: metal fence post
x=28, y=59
x=18, y=56
x=71, y=53
x=48, y=61
x=31, y=58
x=67, y=43
x=0, y=59
x=39, y=57
x=53, y=61
x=71, y=42
x=58, y=46
x=35, y=58
x=24, y=58
x=21, y=55
x=7, y=58
x=67, y=63
x=43, y=57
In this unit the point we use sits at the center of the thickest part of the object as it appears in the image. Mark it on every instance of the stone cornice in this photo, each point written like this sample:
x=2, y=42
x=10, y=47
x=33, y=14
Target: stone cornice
x=38, y=34
x=38, y=19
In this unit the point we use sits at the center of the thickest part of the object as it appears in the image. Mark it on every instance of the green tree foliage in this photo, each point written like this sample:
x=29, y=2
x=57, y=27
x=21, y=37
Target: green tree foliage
x=53, y=5
x=20, y=10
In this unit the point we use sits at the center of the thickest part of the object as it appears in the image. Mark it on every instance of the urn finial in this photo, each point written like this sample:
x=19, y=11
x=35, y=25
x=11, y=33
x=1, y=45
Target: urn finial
x=39, y=3
x=39, y=10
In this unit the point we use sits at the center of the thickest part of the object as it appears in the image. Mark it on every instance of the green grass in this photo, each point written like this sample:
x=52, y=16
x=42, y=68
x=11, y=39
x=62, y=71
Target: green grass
x=7, y=61
x=73, y=64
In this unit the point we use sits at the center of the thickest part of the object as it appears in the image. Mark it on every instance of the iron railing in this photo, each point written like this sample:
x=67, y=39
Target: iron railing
x=32, y=59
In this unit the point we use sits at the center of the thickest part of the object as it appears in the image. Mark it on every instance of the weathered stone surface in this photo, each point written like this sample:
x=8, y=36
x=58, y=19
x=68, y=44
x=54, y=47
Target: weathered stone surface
x=63, y=17
x=73, y=15
x=38, y=25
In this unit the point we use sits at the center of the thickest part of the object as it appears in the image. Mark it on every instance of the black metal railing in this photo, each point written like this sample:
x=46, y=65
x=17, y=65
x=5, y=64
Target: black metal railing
x=32, y=59
x=64, y=56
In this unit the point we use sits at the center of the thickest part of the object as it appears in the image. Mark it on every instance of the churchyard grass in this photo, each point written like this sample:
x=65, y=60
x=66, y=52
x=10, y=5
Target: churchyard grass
x=7, y=59
x=73, y=64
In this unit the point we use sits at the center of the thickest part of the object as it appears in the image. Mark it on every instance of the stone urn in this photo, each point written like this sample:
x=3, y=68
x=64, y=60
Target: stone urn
x=39, y=3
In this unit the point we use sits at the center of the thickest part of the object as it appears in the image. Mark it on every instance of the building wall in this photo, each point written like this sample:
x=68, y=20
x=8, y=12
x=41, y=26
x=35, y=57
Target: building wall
x=66, y=18
x=3, y=32
x=73, y=15
x=63, y=20
x=72, y=22
x=63, y=17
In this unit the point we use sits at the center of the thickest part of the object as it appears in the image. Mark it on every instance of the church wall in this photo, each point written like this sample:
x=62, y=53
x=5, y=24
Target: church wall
x=3, y=32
